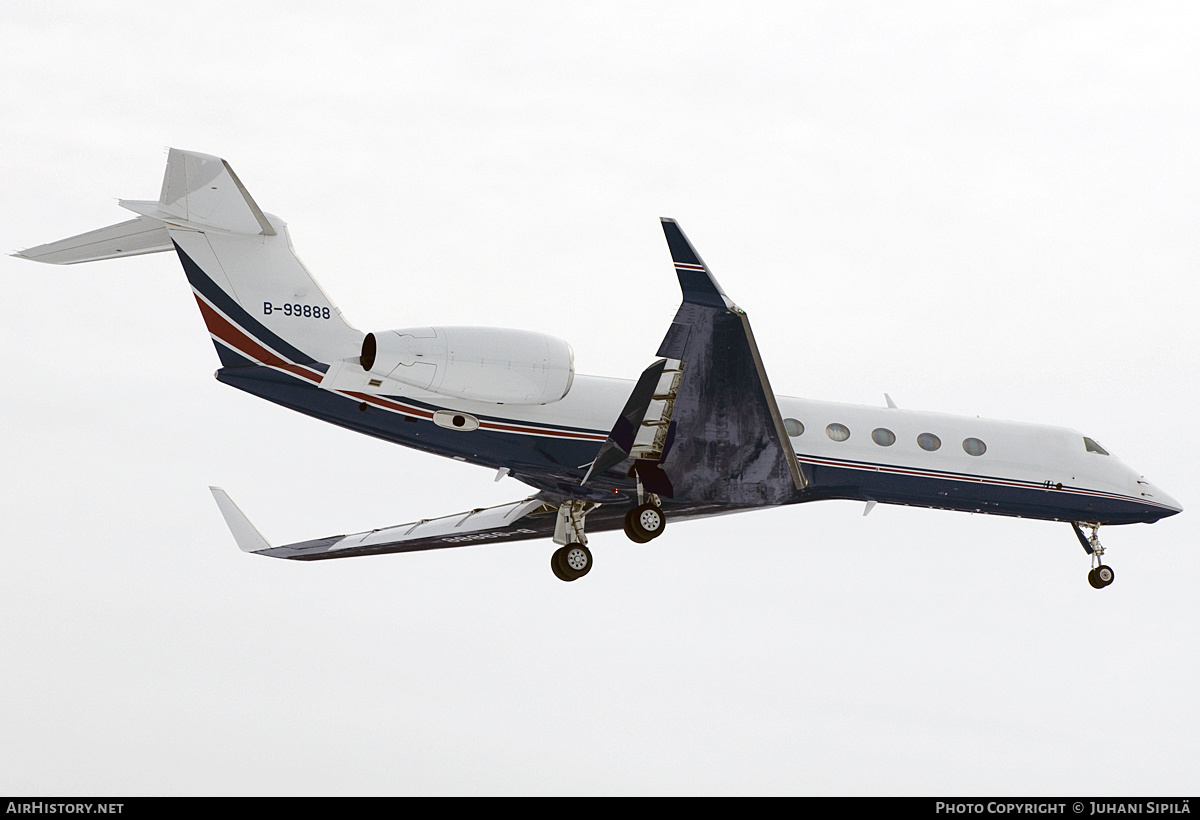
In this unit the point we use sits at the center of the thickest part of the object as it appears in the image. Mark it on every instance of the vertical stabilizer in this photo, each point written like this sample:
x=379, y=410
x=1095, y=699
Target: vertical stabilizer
x=259, y=302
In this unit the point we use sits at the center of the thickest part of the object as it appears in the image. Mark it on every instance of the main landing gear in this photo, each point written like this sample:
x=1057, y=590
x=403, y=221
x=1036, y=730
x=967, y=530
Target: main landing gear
x=571, y=562
x=645, y=523
x=573, y=559
x=1101, y=575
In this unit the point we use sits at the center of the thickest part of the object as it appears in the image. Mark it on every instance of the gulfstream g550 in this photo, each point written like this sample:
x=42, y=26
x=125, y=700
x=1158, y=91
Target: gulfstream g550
x=699, y=433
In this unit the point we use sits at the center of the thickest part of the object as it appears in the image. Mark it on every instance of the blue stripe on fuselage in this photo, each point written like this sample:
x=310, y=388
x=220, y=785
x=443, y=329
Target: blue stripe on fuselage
x=553, y=463
x=966, y=495
x=225, y=303
x=544, y=461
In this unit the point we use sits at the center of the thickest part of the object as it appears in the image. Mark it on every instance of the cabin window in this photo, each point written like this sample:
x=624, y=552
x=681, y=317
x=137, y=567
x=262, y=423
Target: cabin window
x=883, y=437
x=928, y=441
x=838, y=432
x=974, y=447
x=793, y=427
x=1093, y=447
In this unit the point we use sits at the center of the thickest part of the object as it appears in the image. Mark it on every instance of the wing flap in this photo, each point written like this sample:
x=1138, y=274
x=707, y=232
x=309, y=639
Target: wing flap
x=620, y=443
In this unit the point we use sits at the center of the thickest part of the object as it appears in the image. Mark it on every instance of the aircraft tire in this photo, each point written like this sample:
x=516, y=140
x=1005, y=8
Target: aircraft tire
x=1104, y=575
x=555, y=561
x=572, y=562
x=631, y=532
x=647, y=522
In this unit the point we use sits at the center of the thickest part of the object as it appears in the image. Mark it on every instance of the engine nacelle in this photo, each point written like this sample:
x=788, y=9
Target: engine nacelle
x=497, y=365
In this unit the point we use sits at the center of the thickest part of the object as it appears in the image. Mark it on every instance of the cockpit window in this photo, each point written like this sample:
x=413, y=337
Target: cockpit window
x=1093, y=447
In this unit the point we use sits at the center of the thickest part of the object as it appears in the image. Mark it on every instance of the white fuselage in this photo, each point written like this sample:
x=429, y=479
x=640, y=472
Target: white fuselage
x=1000, y=455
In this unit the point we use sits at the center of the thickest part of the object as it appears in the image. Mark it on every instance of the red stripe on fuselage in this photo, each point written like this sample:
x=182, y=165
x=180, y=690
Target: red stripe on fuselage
x=225, y=331
x=240, y=340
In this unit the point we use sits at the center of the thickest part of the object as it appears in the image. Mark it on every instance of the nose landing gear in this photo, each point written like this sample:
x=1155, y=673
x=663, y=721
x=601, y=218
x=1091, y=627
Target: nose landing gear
x=1101, y=575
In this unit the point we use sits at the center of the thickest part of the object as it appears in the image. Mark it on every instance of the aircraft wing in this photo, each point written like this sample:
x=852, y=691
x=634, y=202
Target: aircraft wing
x=702, y=425
x=522, y=520
x=518, y=521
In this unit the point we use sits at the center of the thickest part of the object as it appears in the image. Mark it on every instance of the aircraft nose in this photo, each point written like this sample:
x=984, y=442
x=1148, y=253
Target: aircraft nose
x=1152, y=493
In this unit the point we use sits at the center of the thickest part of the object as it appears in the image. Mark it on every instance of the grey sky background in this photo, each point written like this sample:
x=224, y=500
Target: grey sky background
x=979, y=208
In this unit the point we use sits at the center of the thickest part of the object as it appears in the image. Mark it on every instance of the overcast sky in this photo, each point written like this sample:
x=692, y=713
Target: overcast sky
x=979, y=208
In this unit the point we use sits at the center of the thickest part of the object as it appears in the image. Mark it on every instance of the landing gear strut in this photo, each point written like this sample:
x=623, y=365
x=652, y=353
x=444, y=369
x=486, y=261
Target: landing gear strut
x=1101, y=575
x=646, y=521
x=573, y=559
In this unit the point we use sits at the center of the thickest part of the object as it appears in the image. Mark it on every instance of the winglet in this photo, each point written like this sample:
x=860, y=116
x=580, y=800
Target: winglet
x=695, y=279
x=247, y=537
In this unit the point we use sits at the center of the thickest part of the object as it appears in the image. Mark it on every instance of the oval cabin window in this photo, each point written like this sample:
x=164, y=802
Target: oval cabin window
x=838, y=432
x=928, y=441
x=883, y=437
x=974, y=447
x=793, y=427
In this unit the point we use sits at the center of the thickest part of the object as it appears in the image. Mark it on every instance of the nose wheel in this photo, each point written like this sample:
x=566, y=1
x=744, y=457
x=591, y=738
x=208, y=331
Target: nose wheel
x=1101, y=575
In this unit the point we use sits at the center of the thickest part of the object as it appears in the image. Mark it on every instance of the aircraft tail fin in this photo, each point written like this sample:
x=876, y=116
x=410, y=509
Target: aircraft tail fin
x=259, y=302
x=201, y=191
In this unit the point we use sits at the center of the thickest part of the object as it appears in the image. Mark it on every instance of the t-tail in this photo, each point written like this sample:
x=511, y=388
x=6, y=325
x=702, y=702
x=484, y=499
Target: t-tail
x=260, y=303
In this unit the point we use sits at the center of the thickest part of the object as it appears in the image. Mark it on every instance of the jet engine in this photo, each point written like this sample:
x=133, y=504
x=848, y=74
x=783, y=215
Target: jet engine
x=496, y=365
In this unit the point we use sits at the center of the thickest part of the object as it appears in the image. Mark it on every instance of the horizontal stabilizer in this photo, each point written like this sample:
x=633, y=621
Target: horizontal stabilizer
x=248, y=538
x=132, y=238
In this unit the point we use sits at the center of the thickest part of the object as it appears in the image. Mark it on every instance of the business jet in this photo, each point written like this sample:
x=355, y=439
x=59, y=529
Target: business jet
x=700, y=433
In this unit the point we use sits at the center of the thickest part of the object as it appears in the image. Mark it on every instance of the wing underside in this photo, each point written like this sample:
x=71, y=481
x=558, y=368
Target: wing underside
x=522, y=520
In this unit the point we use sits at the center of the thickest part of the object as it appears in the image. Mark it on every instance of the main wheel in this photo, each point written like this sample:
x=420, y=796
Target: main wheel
x=571, y=562
x=556, y=563
x=631, y=532
x=646, y=522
